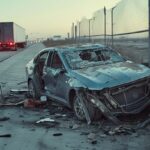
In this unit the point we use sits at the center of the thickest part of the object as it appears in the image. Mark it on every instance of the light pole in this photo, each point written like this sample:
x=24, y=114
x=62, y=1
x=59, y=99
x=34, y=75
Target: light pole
x=72, y=30
x=112, y=25
x=89, y=29
x=105, y=25
x=79, y=29
x=75, y=29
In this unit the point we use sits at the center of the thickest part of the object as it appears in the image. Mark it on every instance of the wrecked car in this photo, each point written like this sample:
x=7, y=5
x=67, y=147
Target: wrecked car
x=91, y=79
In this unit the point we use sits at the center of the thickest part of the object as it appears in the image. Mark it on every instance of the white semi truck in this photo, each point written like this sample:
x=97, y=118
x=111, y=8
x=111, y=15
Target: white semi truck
x=12, y=36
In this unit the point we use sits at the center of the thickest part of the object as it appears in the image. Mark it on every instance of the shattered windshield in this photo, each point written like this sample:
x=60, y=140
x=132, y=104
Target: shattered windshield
x=79, y=59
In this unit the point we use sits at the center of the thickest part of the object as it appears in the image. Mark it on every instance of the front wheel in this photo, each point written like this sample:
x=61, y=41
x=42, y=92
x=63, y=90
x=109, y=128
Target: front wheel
x=78, y=110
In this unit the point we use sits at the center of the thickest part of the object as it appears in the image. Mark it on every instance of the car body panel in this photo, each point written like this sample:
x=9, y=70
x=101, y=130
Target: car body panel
x=97, y=82
x=110, y=75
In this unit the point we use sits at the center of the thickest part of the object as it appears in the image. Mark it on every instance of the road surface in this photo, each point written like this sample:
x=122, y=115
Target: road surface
x=26, y=135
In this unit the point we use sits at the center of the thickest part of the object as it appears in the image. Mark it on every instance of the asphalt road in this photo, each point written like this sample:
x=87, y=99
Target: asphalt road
x=25, y=135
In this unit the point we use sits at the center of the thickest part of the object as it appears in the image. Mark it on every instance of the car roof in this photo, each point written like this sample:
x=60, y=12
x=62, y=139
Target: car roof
x=75, y=47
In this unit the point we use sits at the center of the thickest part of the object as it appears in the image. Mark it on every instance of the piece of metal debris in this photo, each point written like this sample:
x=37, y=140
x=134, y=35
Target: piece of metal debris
x=143, y=124
x=30, y=103
x=43, y=98
x=85, y=110
x=5, y=135
x=120, y=130
x=75, y=126
x=57, y=134
x=12, y=104
x=4, y=118
x=45, y=120
x=92, y=138
x=19, y=91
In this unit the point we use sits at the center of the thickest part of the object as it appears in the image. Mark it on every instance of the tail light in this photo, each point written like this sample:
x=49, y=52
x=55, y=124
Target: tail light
x=11, y=43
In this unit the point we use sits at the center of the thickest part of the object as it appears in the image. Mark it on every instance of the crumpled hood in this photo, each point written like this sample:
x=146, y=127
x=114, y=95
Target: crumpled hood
x=111, y=75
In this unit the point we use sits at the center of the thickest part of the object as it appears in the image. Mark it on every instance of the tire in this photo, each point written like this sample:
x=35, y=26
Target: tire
x=78, y=110
x=32, y=90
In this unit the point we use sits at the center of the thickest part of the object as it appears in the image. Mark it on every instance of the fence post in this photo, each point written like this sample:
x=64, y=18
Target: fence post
x=105, y=25
x=112, y=25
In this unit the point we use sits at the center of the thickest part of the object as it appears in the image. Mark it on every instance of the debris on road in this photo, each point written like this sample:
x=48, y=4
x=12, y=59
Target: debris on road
x=5, y=135
x=92, y=138
x=75, y=126
x=43, y=98
x=30, y=103
x=120, y=130
x=19, y=91
x=143, y=124
x=46, y=120
x=12, y=104
x=57, y=115
x=57, y=134
x=4, y=118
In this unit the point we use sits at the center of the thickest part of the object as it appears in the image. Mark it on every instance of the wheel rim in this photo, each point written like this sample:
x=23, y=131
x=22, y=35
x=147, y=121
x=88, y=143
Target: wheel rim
x=78, y=108
x=31, y=89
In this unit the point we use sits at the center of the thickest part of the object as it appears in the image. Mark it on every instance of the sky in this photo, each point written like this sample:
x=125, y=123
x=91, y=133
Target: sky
x=45, y=18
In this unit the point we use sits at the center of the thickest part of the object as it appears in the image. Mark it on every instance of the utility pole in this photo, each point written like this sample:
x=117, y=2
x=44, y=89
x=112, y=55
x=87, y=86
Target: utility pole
x=68, y=35
x=112, y=26
x=105, y=25
x=90, y=29
x=79, y=30
x=75, y=33
x=149, y=30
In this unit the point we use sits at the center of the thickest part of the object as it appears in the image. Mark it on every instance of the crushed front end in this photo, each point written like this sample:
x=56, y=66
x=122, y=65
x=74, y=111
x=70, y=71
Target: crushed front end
x=131, y=98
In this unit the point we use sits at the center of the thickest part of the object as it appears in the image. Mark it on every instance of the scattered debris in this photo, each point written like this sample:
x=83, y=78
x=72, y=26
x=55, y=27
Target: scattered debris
x=20, y=91
x=92, y=138
x=43, y=98
x=57, y=134
x=143, y=124
x=12, y=104
x=30, y=103
x=84, y=133
x=5, y=135
x=60, y=115
x=120, y=130
x=46, y=120
x=75, y=126
x=4, y=118
x=103, y=135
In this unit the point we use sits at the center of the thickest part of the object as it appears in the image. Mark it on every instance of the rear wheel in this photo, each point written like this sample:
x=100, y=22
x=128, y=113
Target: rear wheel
x=78, y=110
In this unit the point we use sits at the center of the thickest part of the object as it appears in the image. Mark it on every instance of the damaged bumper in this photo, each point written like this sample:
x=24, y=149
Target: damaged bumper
x=127, y=99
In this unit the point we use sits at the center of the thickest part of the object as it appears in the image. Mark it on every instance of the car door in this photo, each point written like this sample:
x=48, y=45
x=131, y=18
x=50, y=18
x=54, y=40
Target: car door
x=53, y=74
x=38, y=68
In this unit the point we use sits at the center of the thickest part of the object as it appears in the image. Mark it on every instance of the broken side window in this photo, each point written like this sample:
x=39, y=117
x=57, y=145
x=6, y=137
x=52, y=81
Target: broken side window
x=56, y=62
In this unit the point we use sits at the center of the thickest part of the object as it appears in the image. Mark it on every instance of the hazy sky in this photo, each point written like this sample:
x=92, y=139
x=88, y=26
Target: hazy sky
x=49, y=17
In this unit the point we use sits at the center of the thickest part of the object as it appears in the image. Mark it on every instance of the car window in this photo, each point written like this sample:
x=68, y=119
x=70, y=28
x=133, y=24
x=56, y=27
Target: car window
x=41, y=57
x=56, y=61
x=91, y=57
x=49, y=61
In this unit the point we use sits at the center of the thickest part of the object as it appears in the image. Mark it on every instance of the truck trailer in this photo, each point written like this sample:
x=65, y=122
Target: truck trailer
x=12, y=36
